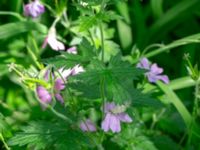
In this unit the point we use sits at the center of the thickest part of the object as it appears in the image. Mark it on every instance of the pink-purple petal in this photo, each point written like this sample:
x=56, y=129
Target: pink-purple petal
x=59, y=84
x=115, y=124
x=155, y=69
x=144, y=63
x=43, y=94
x=105, y=125
x=124, y=117
x=72, y=50
x=87, y=126
x=163, y=78
x=109, y=106
x=59, y=98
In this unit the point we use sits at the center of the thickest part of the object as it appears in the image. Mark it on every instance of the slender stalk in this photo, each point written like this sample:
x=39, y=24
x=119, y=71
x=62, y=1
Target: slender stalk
x=59, y=115
x=102, y=42
x=34, y=80
x=101, y=31
x=150, y=47
x=172, y=45
x=194, y=112
x=156, y=118
x=196, y=100
x=34, y=58
x=102, y=86
x=4, y=143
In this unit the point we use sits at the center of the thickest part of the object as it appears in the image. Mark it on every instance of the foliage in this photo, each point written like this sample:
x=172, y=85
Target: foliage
x=110, y=38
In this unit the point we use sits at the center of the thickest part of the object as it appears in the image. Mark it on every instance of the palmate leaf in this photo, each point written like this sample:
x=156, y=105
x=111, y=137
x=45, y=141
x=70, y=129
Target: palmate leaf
x=86, y=22
x=117, y=80
x=44, y=135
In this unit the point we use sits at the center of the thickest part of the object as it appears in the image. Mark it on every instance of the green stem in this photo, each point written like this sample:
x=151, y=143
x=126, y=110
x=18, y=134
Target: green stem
x=156, y=118
x=150, y=47
x=41, y=82
x=34, y=58
x=18, y=72
x=102, y=86
x=102, y=42
x=59, y=115
x=196, y=101
x=172, y=45
x=4, y=143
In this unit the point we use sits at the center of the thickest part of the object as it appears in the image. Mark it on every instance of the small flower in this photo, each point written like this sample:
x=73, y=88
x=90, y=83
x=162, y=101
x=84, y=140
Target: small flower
x=154, y=72
x=34, y=9
x=59, y=84
x=72, y=50
x=113, y=118
x=52, y=41
x=43, y=94
x=87, y=125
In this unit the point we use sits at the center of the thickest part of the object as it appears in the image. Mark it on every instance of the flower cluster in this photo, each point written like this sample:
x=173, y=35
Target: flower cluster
x=113, y=114
x=154, y=72
x=59, y=84
x=34, y=9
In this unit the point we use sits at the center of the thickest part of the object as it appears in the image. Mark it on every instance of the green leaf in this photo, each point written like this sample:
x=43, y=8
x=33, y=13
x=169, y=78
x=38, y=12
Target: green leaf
x=118, y=79
x=86, y=49
x=157, y=9
x=86, y=22
x=174, y=99
x=12, y=29
x=45, y=135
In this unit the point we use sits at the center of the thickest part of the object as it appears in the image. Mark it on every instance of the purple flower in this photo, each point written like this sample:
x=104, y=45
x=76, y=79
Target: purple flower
x=113, y=116
x=87, y=125
x=52, y=41
x=43, y=94
x=59, y=84
x=72, y=50
x=154, y=72
x=34, y=9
